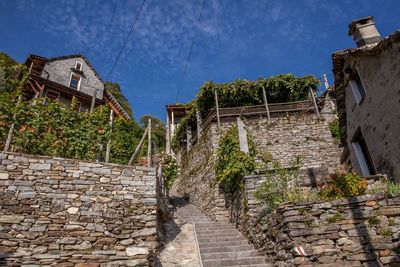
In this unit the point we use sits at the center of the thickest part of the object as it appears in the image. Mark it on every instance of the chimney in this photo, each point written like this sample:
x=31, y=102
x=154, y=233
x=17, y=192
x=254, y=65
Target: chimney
x=364, y=31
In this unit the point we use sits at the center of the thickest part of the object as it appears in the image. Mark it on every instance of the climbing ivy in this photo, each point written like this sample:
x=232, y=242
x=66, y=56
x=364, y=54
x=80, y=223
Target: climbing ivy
x=279, y=89
x=334, y=127
x=232, y=164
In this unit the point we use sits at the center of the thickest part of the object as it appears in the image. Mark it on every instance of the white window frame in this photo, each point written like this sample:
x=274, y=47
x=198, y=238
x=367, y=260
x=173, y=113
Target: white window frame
x=356, y=89
x=79, y=83
x=76, y=65
x=362, y=161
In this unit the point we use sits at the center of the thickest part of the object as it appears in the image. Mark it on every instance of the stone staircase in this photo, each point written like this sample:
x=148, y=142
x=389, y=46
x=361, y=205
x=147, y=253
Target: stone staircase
x=220, y=243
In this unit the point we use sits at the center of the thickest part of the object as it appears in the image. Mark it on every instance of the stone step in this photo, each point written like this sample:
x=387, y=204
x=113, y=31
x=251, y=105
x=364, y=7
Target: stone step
x=234, y=261
x=219, y=239
x=216, y=231
x=241, y=242
x=226, y=248
x=229, y=255
x=218, y=234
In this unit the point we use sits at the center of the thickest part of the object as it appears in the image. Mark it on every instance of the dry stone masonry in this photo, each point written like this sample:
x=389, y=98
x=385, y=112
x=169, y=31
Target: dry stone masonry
x=62, y=212
x=286, y=136
x=360, y=231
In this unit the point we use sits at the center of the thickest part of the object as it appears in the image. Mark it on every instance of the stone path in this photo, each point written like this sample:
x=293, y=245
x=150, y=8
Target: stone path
x=181, y=247
x=220, y=243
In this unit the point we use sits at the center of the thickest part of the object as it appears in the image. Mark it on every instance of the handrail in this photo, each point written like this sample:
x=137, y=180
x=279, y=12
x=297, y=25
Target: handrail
x=197, y=245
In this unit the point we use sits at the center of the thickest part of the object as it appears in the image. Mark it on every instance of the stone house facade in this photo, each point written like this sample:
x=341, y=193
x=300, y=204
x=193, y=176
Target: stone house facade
x=367, y=88
x=65, y=77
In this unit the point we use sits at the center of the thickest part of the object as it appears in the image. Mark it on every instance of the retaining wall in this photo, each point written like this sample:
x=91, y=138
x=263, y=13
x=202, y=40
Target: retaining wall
x=61, y=212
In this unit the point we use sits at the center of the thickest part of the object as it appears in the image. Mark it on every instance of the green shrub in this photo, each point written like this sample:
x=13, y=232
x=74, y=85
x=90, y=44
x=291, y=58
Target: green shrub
x=279, y=89
x=232, y=164
x=392, y=188
x=343, y=184
x=279, y=185
x=169, y=170
x=335, y=129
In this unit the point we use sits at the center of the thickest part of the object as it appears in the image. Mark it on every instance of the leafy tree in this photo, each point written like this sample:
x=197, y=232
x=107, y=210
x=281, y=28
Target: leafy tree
x=115, y=90
x=9, y=69
x=157, y=131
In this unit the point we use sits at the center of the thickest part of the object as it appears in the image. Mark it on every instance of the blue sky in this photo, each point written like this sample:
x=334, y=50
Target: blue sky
x=236, y=39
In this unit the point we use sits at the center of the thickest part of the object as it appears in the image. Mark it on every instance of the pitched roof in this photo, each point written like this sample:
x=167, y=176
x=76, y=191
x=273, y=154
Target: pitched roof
x=74, y=56
x=339, y=59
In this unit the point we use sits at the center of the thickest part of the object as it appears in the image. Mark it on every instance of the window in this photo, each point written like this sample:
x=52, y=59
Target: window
x=78, y=65
x=362, y=153
x=357, y=87
x=75, y=81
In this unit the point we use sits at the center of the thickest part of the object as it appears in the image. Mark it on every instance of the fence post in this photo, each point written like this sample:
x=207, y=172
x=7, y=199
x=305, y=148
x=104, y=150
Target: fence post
x=198, y=119
x=108, y=148
x=149, y=163
x=217, y=108
x=266, y=102
x=138, y=146
x=93, y=100
x=244, y=146
x=311, y=93
x=188, y=137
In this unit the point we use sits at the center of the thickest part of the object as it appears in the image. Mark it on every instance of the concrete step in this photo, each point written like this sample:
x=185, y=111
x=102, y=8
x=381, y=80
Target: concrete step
x=219, y=239
x=234, y=261
x=229, y=255
x=226, y=248
x=219, y=234
x=241, y=242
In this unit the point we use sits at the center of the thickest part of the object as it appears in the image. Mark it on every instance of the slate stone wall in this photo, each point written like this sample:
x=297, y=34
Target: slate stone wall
x=63, y=212
x=360, y=231
x=377, y=116
x=60, y=72
x=284, y=137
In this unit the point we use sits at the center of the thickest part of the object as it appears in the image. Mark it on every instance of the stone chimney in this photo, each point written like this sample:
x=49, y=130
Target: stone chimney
x=364, y=31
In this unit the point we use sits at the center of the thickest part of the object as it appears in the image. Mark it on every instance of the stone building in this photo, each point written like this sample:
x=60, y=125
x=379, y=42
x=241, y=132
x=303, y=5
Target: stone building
x=367, y=87
x=65, y=77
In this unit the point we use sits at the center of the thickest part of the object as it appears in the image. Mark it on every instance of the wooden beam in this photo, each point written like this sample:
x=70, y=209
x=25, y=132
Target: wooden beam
x=149, y=163
x=311, y=93
x=139, y=146
x=266, y=103
x=217, y=107
x=108, y=147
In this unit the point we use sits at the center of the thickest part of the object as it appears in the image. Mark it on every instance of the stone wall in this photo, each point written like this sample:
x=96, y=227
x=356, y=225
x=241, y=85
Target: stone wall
x=377, y=116
x=360, y=231
x=287, y=135
x=197, y=176
x=62, y=212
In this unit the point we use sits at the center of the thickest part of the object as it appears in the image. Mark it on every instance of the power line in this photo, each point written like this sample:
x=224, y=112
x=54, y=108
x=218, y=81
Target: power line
x=126, y=40
x=112, y=17
x=190, y=52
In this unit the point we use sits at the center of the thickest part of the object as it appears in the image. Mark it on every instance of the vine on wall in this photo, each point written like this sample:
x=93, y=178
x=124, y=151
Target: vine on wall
x=279, y=89
x=232, y=164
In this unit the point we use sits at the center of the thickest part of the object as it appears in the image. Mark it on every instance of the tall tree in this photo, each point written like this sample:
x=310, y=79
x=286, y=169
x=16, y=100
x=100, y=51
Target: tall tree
x=115, y=90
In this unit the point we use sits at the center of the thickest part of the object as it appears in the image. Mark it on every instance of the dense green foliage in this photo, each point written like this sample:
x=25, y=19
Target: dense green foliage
x=281, y=184
x=157, y=132
x=335, y=129
x=9, y=70
x=343, y=184
x=47, y=127
x=115, y=90
x=232, y=164
x=279, y=89
x=169, y=170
